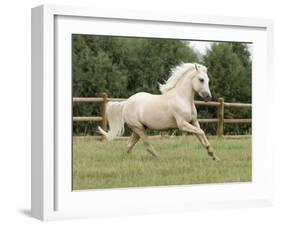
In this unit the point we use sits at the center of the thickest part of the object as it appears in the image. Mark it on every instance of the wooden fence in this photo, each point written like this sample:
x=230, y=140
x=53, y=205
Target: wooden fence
x=220, y=104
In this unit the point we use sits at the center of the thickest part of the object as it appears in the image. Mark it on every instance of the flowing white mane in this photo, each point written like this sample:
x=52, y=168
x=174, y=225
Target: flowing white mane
x=177, y=73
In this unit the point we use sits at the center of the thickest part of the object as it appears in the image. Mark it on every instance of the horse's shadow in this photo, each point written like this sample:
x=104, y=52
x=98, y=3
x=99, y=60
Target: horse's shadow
x=26, y=212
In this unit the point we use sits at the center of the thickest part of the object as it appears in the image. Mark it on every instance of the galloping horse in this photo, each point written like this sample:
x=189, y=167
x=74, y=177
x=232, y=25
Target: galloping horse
x=173, y=108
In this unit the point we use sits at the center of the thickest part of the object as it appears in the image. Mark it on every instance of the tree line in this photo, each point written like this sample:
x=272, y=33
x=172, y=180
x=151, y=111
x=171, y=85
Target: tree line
x=122, y=66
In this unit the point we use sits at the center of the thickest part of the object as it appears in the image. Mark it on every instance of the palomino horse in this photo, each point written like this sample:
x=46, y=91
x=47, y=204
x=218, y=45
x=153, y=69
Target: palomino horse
x=173, y=108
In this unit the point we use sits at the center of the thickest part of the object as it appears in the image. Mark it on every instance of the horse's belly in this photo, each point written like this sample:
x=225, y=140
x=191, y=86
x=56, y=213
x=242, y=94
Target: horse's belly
x=163, y=125
x=158, y=118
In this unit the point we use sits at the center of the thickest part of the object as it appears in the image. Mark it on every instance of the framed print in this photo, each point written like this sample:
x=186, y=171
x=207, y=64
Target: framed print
x=137, y=112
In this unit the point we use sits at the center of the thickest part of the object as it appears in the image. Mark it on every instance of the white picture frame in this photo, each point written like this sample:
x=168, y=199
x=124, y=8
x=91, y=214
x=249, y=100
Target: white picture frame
x=52, y=197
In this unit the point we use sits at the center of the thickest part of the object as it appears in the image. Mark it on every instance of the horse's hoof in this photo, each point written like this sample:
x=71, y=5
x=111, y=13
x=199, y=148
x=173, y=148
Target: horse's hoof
x=215, y=158
x=156, y=156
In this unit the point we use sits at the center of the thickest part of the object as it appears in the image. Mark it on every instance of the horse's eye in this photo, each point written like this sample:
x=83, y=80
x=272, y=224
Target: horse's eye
x=201, y=80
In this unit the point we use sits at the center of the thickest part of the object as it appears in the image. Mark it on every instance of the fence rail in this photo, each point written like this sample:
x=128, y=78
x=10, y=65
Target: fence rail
x=220, y=104
x=87, y=118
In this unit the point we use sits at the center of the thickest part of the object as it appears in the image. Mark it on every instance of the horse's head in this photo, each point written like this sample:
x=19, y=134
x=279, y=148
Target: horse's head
x=200, y=82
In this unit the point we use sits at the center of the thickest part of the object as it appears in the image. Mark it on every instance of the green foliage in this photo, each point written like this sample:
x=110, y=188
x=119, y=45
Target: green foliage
x=229, y=70
x=123, y=66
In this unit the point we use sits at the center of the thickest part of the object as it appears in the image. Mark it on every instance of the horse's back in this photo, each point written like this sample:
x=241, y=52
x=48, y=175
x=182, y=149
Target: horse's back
x=141, y=96
x=134, y=104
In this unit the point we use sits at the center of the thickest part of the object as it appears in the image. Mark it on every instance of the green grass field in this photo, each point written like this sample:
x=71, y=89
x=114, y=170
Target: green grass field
x=182, y=160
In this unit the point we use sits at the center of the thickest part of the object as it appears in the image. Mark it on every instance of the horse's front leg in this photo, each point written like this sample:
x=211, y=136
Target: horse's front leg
x=186, y=126
x=204, y=141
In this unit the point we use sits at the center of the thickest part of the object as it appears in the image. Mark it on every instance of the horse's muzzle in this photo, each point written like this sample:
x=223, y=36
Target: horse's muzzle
x=206, y=96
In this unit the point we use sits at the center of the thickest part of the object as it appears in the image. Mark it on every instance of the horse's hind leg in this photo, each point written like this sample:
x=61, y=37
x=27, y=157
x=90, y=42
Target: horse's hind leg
x=132, y=141
x=144, y=137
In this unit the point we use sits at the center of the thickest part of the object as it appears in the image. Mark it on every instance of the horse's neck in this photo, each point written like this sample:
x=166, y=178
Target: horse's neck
x=185, y=90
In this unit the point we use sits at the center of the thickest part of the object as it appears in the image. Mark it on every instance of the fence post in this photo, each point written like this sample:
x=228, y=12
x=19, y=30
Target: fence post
x=103, y=111
x=220, y=117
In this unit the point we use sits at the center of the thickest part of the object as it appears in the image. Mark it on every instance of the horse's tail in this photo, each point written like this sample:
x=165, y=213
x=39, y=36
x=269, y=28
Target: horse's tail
x=115, y=120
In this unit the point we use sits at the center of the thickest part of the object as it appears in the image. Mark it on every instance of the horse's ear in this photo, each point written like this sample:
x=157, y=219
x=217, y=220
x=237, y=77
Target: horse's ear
x=196, y=67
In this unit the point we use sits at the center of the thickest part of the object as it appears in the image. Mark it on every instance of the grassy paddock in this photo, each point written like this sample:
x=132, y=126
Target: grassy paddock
x=182, y=160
